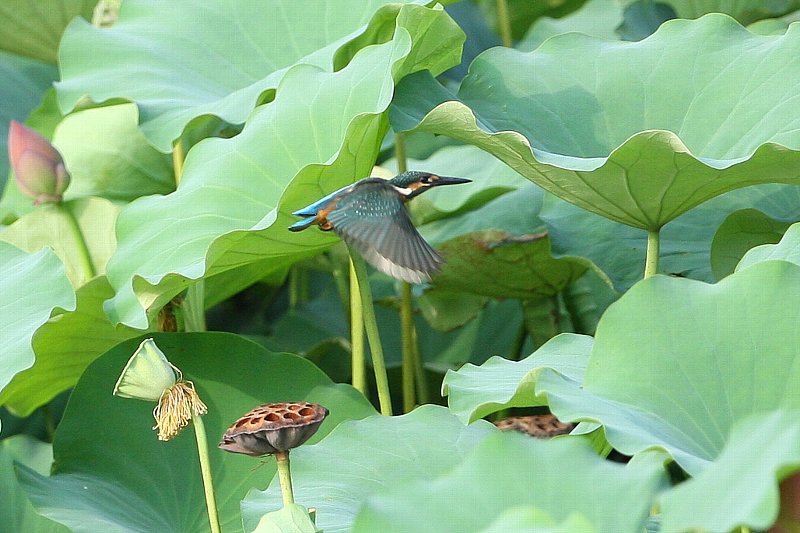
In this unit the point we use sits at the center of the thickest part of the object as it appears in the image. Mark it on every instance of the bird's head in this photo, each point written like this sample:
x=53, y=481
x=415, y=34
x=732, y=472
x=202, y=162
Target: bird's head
x=414, y=182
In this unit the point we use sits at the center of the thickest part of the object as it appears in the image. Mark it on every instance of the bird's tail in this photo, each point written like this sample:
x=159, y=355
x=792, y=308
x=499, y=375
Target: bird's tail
x=302, y=224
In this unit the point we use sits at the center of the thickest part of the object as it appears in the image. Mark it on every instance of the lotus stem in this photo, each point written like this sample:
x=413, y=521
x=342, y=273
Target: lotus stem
x=400, y=152
x=373, y=336
x=340, y=280
x=205, y=471
x=406, y=305
x=651, y=261
x=419, y=371
x=407, y=328
x=359, y=364
x=519, y=342
x=194, y=314
x=82, y=248
x=504, y=23
x=177, y=161
x=285, y=477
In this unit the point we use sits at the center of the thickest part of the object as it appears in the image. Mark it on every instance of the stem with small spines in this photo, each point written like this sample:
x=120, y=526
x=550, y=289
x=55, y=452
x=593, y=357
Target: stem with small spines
x=373, y=336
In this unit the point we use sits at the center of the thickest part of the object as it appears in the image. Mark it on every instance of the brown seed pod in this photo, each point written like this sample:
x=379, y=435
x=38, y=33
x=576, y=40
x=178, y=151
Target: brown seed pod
x=274, y=427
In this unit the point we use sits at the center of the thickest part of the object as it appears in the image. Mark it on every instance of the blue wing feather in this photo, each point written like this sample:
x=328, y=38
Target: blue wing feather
x=311, y=210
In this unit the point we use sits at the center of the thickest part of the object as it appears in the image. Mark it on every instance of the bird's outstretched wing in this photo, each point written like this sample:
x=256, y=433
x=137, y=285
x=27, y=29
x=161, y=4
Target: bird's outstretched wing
x=375, y=222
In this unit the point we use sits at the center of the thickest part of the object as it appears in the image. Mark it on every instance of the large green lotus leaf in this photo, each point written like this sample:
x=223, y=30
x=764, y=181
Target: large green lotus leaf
x=476, y=391
x=740, y=232
x=22, y=83
x=787, y=249
x=17, y=512
x=745, y=11
x=528, y=270
x=236, y=191
x=246, y=50
x=677, y=362
x=108, y=156
x=32, y=285
x=619, y=250
x=64, y=346
x=642, y=18
x=447, y=310
x=33, y=29
x=362, y=457
x=111, y=473
x=636, y=132
x=523, y=13
x=530, y=519
x=515, y=212
x=54, y=226
x=760, y=451
x=598, y=18
x=560, y=477
x=774, y=26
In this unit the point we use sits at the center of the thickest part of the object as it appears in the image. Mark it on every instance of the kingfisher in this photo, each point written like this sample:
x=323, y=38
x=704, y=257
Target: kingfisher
x=370, y=216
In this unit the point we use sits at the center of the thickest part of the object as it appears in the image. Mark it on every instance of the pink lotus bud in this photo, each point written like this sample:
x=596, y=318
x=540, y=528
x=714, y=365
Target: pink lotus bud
x=38, y=166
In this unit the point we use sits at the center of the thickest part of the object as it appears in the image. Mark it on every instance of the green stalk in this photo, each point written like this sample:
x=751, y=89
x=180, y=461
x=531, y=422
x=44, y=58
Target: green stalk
x=359, y=363
x=205, y=471
x=519, y=343
x=651, y=261
x=371, y=325
x=294, y=288
x=406, y=304
x=177, y=161
x=84, y=256
x=194, y=313
x=285, y=477
x=407, y=329
x=419, y=371
x=340, y=280
x=400, y=153
x=504, y=22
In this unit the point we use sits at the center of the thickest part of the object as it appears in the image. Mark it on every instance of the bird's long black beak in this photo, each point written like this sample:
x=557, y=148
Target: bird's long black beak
x=444, y=180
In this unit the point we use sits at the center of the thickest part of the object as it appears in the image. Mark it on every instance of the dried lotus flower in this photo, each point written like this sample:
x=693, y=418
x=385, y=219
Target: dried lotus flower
x=150, y=376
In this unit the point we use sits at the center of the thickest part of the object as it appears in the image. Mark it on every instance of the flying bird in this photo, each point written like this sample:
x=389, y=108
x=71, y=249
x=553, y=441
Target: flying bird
x=370, y=216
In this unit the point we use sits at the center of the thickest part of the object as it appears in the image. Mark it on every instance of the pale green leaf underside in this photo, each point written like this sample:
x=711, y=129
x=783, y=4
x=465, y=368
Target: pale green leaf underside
x=760, y=451
x=599, y=18
x=17, y=512
x=787, y=249
x=322, y=131
x=745, y=11
x=64, y=348
x=476, y=391
x=740, y=232
x=108, y=156
x=217, y=61
x=53, y=225
x=561, y=477
x=662, y=373
x=636, y=132
x=31, y=287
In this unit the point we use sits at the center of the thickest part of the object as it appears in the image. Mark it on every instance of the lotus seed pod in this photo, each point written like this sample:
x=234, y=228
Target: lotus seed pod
x=273, y=428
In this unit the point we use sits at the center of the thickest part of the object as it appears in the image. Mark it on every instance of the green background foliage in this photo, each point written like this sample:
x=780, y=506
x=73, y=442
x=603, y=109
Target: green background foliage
x=624, y=258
